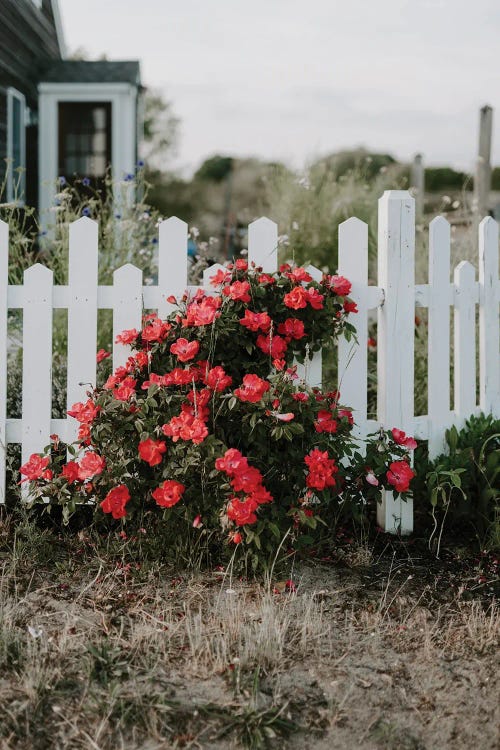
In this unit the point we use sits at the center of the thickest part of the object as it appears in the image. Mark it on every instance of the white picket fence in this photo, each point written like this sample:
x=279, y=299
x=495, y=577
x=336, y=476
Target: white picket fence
x=395, y=299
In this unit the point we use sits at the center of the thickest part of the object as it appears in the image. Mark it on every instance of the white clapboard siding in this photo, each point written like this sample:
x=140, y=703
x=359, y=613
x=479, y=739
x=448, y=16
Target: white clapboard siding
x=352, y=356
x=395, y=334
x=172, y=262
x=37, y=360
x=263, y=244
x=82, y=314
x=439, y=335
x=464, y=343
x=489, y=354
x=4, y=280
x=127, y=308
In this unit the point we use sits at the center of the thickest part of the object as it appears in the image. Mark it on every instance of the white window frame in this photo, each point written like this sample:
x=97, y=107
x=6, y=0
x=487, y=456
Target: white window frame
x=123, y=98
x=16, y=184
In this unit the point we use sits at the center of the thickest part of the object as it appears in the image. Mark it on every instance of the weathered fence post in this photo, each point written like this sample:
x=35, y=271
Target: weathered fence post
x=489, y=359
x=4, y=280
x=82, y=314
x=396, y=326
x=418, y=186
x=482, y=182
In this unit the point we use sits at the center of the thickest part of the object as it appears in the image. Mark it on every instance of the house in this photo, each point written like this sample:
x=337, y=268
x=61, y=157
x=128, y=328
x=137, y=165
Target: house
x=57, y=116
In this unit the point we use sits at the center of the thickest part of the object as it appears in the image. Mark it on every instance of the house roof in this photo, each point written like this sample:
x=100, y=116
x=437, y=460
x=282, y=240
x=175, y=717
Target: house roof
x=94, y=71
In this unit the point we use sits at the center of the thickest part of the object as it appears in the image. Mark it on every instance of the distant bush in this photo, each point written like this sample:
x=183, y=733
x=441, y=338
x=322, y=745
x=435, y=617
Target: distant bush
x=446, y=178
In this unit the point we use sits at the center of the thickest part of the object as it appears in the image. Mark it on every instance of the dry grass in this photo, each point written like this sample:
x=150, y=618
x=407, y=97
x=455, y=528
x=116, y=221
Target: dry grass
x=97, y=652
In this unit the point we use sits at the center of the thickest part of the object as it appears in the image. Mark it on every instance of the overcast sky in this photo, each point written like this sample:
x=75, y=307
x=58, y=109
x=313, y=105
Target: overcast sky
x=292, y=79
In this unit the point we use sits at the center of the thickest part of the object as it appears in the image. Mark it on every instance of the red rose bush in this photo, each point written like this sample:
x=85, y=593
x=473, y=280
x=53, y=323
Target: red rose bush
x=209, y=425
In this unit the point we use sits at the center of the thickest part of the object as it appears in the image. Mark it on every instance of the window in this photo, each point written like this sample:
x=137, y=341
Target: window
x=85, y=140
x=16, y=145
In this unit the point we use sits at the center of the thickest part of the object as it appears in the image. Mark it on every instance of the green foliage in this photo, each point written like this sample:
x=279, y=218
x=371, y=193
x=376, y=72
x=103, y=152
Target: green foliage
x=465, y=482
x=446, y=178
x=215, y=169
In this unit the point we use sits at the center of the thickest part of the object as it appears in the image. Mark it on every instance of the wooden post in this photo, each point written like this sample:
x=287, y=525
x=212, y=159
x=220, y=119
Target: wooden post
x=482, y=183
x=4, y=280
x=127, y=308
x=263, y=244
x=464, y=330
x=172, y=263
x=489, y=333
x=396, y=334
x=418, y=186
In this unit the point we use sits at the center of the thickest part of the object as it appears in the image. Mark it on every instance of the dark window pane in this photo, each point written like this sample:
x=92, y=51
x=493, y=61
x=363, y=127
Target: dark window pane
x=85, y=140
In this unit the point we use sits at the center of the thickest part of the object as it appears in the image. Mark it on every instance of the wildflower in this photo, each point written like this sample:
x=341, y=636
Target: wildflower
x=86, y=182
x=86, y=211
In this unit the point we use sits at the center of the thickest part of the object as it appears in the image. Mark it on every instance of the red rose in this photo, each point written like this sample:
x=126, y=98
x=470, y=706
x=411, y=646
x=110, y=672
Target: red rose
x=36, y=468
x=350, y=306
x=84, y=413
x=125, y=390
x=152, y=451
x=325, y=422
x=274, y=346
x=202, y=312
x=293, y=328
x=70, y=471
x=102, y=354
x=340, y=285
x=252, y=389
x=232, y=462
x=217, y=380
x=256, y=321
x=242, y=512
x=321, y=470
x=127, y=337
x=169, y=493
x=186, y=427
x=315, y=299
x=185, y=350
x=116, y=500
x=401, y=438
x=90, y=466
x=297, y=298
x=400, y=475
x=238, y=291
x=298, y=275
x=156, y=331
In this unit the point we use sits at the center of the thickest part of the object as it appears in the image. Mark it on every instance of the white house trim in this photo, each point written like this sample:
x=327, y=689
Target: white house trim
x=123, y=99
x=12, y=179
x=59, y=28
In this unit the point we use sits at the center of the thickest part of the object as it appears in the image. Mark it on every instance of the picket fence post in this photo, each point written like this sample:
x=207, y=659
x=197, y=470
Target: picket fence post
x=438, y=357
x=263, y=244
x=127, y=308
x=464, y=330
x=37, y=360
x=353, y=356
x=395, y=346
x=4, y=280
x=82, y=314
x=172, y=262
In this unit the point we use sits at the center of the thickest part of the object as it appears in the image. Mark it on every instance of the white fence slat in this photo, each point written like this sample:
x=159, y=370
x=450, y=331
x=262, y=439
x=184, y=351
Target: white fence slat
x=311, y=370
x=464, y=343
x=4, y=280
x=352, y=356
x=127, y=310
x=395, y=346
x=489, y=355
x=439, y=335
x=172, y=262
x=37, y=360
x=82, y=314
x=263, y=244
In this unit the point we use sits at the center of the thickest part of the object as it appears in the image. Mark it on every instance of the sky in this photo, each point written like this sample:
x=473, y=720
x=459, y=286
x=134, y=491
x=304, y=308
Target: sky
x=294, y=79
